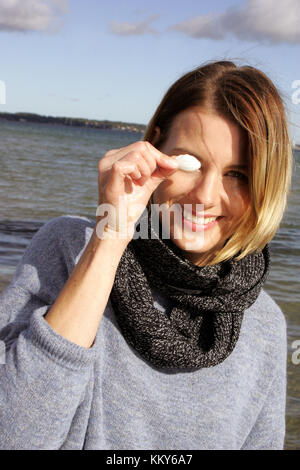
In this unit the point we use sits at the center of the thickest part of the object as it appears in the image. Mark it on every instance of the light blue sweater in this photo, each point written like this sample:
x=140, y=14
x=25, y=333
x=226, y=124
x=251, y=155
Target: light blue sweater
x=55, y=394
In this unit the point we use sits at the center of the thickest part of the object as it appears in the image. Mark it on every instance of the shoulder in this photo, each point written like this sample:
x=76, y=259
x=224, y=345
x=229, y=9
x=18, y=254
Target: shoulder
x=267, y=325
x=60, y=238
x=65, y=225
x=268, y=312
x=70, y=229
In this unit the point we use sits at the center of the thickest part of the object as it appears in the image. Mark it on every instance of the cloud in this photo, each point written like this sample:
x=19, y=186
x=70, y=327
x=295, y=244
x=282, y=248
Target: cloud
x=133, y=29
x=272, y=21
x=32, y=15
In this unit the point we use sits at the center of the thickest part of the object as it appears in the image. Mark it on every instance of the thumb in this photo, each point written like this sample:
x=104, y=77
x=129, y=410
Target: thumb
x=164, y=170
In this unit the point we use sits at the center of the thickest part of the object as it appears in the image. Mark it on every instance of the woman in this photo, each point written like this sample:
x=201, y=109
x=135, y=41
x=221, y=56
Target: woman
x=116, y=341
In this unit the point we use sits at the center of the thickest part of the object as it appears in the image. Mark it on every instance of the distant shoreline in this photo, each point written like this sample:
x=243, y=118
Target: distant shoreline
x=80, y=122
x=73, y=122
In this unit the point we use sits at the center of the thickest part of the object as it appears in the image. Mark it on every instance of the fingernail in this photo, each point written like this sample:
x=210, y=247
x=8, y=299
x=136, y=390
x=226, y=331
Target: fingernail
x=172, y=163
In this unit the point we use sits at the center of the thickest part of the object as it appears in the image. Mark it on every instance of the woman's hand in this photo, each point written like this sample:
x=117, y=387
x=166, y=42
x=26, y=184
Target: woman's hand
x=126, y=179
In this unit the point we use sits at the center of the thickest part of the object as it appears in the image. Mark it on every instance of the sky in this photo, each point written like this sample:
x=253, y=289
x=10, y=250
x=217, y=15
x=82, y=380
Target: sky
x=116, y=59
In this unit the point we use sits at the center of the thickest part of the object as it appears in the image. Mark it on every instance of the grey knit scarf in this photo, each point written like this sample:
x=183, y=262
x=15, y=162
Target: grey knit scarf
x=204, y=324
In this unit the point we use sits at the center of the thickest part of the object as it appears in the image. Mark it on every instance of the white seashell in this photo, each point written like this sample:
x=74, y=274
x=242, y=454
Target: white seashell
x=188, y=163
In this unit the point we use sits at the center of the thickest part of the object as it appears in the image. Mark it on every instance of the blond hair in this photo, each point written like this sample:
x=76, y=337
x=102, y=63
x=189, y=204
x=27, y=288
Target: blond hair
x=245, y=96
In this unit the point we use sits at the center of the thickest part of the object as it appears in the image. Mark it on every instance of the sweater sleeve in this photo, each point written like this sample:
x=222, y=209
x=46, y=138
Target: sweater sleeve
x=268, y=432
x=44, y=376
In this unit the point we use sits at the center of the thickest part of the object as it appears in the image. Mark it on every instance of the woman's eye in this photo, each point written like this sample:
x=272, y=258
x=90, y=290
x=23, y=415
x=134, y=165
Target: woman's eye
x=238, y=175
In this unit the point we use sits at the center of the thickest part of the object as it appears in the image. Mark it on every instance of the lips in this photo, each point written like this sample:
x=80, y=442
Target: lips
x=199, y=220
x=200, y=224
x=200, y=214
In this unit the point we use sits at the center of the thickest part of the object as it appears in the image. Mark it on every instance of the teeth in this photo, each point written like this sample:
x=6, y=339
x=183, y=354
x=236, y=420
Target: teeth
x=199, y=220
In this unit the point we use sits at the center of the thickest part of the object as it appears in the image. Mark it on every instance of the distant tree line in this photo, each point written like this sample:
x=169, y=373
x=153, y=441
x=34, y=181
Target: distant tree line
x=78, y=122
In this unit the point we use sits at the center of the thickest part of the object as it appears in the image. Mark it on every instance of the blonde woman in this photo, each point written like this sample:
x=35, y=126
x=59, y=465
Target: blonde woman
x=120, y=341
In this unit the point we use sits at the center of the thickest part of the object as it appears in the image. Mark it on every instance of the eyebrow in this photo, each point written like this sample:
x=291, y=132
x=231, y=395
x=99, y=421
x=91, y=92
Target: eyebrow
x=180, y=149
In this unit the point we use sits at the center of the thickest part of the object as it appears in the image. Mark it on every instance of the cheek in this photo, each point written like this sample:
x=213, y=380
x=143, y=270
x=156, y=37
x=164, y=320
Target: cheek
x=239, y=200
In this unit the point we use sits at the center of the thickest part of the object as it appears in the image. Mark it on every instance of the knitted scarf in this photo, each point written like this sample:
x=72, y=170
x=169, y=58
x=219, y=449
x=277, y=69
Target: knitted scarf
x=204, y=324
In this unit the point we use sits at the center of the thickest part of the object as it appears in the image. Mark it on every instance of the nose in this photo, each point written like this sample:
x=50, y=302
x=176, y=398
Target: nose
x=207, y=190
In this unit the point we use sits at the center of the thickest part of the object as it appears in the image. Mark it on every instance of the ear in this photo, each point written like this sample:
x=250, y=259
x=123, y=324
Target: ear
x=156, y=135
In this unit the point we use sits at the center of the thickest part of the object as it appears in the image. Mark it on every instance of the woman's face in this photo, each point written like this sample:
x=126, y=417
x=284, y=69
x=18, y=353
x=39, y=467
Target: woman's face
x=220, y=187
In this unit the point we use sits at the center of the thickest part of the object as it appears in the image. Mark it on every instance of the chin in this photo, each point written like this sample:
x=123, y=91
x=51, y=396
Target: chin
x=196, y=245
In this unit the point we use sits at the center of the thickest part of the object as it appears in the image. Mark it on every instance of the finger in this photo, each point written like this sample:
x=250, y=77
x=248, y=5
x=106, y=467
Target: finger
x=162, y=159
x=153, y=156
x=111, y=156
x=162, y=173
x=122, y=168
x=144, y=163
x=113, y=151
x=144, y=147
x=151, y=163
x=116, y=154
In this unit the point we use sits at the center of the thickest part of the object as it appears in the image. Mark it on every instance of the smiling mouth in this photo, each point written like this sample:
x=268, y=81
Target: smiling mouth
x=200, y=220
x=196, y=224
